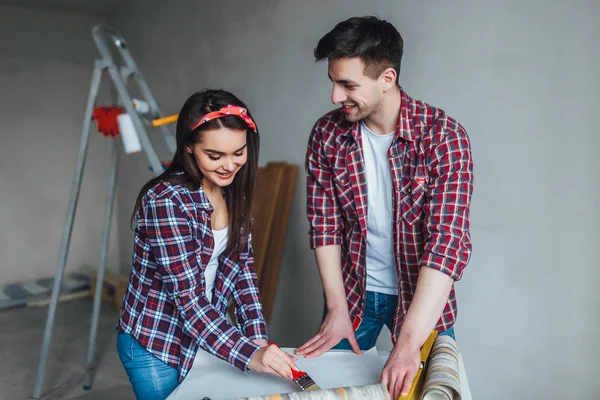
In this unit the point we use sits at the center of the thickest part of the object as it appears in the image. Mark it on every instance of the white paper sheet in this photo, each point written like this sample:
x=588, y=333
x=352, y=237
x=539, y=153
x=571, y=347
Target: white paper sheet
x=216, y=379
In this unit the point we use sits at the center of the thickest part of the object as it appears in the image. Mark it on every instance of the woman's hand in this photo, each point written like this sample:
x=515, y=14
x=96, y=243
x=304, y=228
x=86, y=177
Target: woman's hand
x=272, y=360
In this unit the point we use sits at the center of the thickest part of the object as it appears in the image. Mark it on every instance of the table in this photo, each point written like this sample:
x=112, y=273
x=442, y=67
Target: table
x=214, y=378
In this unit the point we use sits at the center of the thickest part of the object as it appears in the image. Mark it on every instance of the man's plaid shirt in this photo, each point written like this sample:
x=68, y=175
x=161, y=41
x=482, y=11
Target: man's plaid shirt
x=165, y=307
x=432, y=172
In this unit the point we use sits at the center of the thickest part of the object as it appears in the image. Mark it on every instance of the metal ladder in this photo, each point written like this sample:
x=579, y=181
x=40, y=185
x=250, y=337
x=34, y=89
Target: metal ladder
x=105, y=37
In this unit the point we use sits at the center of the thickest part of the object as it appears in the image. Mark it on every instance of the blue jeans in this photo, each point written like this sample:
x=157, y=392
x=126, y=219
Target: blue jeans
x=379, y=310
x=150, y=377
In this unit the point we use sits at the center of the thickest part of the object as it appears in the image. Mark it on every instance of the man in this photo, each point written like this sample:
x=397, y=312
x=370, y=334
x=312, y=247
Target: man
x=389, y=184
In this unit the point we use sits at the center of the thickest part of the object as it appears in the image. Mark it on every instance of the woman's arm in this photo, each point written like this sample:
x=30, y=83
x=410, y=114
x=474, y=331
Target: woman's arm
x=246, y=295
x=167, y=226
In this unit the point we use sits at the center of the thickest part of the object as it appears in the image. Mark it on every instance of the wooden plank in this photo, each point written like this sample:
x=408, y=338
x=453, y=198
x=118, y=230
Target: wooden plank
x=268, y=189
x=270, y=179
x=270, y=276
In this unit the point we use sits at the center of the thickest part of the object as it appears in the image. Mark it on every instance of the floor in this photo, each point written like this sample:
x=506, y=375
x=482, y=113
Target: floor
x=20, y=345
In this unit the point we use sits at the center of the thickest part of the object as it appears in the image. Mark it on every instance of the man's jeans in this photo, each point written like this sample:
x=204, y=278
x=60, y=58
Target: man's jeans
x=379, y=311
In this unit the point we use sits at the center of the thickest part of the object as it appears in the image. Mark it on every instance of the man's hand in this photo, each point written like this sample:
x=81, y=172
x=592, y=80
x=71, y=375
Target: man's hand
x=401, y=368
x=272, y=360
x=335, y=327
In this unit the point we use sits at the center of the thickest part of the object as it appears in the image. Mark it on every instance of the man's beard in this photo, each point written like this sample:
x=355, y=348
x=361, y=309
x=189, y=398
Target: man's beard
x=357, y=115
x=368, y=109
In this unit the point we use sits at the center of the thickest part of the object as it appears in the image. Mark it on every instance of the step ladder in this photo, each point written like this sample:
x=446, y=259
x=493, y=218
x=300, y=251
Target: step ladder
x=106, y=38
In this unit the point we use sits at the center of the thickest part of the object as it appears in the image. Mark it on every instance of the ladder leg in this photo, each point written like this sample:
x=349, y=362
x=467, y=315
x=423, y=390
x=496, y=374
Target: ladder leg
x=112, y=188
x=66, y=239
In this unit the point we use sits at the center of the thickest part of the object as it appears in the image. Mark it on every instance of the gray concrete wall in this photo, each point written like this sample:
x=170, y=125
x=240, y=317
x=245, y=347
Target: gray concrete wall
x=46, y=62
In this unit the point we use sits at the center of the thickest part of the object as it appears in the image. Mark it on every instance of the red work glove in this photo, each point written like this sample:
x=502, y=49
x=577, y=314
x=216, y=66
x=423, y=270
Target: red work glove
x=106, y=120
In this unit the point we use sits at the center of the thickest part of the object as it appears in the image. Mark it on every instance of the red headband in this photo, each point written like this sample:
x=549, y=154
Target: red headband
x=225, y=111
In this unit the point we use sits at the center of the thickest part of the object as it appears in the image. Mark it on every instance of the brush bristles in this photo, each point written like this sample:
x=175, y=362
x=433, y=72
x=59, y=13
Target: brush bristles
x=305, y=382
x=313, y=387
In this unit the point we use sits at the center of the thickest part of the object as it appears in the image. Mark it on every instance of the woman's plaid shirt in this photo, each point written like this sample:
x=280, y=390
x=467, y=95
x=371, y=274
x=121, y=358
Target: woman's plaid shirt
x=165, y=307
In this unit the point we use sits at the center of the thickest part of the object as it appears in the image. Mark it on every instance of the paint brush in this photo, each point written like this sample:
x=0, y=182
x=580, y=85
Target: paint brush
x=302, y=380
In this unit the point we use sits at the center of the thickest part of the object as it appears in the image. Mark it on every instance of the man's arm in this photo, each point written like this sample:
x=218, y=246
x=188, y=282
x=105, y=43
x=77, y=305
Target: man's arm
x=329, y=261
x=324, y=218
x=337, y=324
x=431, y=296
x=446, y=254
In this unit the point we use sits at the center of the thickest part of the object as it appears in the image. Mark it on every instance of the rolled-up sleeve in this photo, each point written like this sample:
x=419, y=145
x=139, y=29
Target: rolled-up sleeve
x=323, y=212
x=448, y=248
x=178, y=255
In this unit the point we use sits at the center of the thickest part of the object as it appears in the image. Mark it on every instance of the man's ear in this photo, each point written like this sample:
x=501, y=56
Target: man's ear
x=388, y=78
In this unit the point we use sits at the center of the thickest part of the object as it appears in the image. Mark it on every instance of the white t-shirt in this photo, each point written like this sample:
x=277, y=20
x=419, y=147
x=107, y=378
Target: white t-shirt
x=382, y=275
x=210, y=273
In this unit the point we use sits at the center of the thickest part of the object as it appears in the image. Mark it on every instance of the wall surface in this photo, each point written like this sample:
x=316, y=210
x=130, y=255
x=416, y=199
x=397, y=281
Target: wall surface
x=520, y=76
x=46, y=62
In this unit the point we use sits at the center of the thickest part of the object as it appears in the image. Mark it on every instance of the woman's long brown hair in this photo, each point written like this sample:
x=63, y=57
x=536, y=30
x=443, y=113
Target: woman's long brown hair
x=183, y=170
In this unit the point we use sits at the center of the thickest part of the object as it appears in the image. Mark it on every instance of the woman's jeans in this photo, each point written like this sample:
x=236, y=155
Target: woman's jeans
x=151, y=378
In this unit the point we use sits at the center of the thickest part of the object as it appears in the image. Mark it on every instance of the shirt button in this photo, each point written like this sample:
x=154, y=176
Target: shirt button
x=408, y=190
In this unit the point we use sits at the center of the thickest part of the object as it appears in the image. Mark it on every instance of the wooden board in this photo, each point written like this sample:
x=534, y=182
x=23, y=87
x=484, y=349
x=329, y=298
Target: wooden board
x=268, y=191
x=275, y=192
x=271, y=266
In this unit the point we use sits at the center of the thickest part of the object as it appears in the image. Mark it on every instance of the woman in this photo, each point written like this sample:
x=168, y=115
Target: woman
x=193, y=252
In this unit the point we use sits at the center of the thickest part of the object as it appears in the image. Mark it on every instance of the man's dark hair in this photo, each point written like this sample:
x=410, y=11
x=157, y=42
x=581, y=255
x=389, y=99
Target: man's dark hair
x=375, y=41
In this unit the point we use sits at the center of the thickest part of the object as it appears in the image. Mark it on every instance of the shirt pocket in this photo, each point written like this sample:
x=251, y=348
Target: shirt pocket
x=412, y=199
x=343, y=191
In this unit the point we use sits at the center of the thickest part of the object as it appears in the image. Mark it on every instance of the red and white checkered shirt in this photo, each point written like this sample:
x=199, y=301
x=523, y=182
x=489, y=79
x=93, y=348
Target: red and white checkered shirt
x=432, y=172
x=165, y=307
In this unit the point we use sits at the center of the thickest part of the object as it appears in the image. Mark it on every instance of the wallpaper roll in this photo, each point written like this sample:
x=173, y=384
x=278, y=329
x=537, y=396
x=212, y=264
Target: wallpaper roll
x=442, y=381
x=374, y=392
